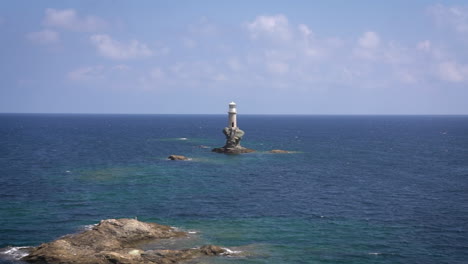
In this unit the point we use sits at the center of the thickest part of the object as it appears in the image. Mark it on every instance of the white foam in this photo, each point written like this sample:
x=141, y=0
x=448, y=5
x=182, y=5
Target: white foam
x=15, y=252
x=182, y=230
x=89, y=227
x=183, y=138
x=374, y=253
x=231, y=252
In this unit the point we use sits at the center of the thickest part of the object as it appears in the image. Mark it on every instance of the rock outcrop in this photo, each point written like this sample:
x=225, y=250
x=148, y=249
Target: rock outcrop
x=233, y=138
x=177, y=157
x=116, y=241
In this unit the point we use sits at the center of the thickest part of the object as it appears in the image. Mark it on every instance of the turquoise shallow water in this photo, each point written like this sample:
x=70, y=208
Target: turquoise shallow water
x=358, y=189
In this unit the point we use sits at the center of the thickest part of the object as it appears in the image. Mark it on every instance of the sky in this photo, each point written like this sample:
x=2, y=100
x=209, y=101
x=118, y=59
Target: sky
x=270, y=57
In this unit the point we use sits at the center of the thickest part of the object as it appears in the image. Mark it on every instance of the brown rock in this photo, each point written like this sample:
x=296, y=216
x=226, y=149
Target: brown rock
x=174, y=256
x=177, y=157
x=114, y=241
x=211, y=250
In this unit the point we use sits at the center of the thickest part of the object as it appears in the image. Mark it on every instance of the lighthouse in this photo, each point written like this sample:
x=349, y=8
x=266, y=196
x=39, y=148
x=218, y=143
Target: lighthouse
x=233, y=134
x=232, y=116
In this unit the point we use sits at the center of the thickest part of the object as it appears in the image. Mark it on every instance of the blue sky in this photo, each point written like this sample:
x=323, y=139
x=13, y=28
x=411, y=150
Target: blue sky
x=270, y=57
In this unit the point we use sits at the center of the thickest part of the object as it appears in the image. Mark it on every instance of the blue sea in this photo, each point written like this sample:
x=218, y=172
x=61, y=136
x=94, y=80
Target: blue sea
x=355, y=189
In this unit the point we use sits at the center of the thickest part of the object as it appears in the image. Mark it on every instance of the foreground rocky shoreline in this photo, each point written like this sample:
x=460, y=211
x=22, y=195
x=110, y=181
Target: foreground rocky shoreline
x=116, y=241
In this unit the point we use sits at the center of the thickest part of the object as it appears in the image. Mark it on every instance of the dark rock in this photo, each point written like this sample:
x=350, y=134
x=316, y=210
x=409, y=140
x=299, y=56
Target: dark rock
x=115, y=241
x=177, y=157
x=211, y=250
x=236, y=150
x=175, y=256
x=233, y=138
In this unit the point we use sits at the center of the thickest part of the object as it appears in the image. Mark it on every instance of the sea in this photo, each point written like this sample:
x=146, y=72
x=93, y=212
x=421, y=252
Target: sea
x=353, y=189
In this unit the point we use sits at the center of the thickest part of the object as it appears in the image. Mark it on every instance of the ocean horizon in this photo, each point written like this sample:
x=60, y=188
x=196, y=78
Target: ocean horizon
x=353, y=189
x=243, y=114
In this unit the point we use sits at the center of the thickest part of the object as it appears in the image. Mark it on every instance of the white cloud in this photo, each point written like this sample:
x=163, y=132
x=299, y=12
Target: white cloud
x=305, y=30
x=86, y=73
x=369, y=40
x=307, y=59
x=45, y=36
x=114, y=49
x=68, y=19
x=455, y=17
x=272, y=26
x=286, y=43
x=367, y=46
x=424, y=46
x=452, y=71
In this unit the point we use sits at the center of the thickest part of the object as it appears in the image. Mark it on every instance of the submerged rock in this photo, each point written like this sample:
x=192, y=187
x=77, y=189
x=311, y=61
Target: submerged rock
x=115, y=241
x=177, y=157
x=279, y=151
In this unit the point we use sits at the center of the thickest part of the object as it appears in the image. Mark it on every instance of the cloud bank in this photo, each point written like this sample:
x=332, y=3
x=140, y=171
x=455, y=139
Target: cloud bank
x=271, y=56
x=69, y=20
x=114, y=49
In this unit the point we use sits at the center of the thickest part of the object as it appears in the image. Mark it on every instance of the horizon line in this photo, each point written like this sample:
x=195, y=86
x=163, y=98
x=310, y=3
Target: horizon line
x=281, y=114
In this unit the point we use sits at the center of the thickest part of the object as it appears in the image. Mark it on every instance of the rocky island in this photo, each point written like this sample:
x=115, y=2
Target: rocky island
x=233, y=135
x=116, y=241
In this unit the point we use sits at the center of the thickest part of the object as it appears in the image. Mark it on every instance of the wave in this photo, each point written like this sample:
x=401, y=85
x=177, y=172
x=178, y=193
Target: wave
x=87, y=227
x=15, y=252
x=230, y=252
x=191, y=231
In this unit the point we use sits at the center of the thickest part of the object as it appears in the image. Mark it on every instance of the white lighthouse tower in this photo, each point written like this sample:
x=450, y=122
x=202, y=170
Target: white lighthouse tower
x=232, y=116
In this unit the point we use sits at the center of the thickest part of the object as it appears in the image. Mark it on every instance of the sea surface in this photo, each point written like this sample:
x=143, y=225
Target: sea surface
x=355, y=189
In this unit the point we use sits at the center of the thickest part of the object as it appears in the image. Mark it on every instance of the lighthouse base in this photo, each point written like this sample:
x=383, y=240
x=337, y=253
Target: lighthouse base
x=233, y=138
x=235, y=150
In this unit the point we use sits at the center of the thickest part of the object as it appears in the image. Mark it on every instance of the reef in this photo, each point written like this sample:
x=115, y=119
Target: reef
x=177, y=157
x=117, y=241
